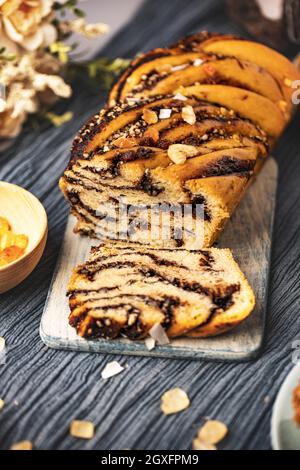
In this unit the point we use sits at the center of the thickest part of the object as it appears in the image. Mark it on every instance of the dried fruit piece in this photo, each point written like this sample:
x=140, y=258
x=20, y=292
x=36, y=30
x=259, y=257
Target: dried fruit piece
x=212, y=432
x=22, y=445
x=111, y=369
x=21, y=241
x=188, y=114
x=124, y=142
x=150, y=116
x=8, y=255
x=82, y=429
x=200, y=445
x=4, y=226
x=1, y=403
x=174, y=401
x=178, y=153
x=296, y=404
x=12, y=246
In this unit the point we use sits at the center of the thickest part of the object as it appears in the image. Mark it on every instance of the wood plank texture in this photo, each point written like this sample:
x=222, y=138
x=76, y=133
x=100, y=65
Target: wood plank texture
x=44, y=389
x=248, y=234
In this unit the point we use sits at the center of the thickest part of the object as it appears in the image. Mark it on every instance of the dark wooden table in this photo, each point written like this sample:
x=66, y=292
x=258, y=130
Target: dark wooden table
x=45, y=389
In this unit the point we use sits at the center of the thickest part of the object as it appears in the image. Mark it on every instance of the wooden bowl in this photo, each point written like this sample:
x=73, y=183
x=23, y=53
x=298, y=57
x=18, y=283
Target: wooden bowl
x=27, y=216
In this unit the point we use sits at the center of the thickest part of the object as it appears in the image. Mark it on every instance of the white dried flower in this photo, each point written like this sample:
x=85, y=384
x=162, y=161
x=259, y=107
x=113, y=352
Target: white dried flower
x=25, y=24
x=42, y=81
x=25, y=86
x=90, y=31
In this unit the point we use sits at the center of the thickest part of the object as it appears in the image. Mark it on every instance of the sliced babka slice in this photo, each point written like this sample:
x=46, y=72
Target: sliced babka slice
x=124, y=290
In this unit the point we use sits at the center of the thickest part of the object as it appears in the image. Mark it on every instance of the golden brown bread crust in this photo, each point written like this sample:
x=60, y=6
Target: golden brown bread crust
x=125, y=290
x=224, y=101
x=240, y=94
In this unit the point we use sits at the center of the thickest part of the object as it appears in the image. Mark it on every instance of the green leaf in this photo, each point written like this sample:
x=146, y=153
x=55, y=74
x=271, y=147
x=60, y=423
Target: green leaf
x=57, y=120
x=79, y=13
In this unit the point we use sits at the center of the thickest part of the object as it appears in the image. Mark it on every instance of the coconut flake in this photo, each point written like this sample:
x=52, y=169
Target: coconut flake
x=159, y=335
x=198, y=62
x=150, y=343
x=111, y=369
x=165, y=113
x=180, y=97
x=2, y=343
x=179, y=67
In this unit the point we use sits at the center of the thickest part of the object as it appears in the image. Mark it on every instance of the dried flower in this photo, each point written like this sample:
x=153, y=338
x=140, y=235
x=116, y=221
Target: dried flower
x=90, y=31
x=24, y=24
x=33, y=58
x=25, y=86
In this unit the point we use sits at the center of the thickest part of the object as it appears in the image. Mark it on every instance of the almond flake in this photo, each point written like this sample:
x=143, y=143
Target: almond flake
x=174, y=401
x=198, y=62
x=165, y=113
x=159, y=335
x=200, y=445
x=22, y=445
x=180, y=97
x=178, y=153
x=1, y=403
x=2, y=343
x=188, y=114
x=82, y=429
x=150, y=343
x=111, y=369
x=149, y=116
x=212, y=432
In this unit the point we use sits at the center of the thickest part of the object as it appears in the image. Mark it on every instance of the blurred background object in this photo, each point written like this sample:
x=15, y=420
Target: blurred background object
x=274, y=22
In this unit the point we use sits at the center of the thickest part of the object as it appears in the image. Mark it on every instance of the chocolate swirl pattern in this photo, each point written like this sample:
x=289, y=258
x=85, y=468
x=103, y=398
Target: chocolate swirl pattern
x=190, y=124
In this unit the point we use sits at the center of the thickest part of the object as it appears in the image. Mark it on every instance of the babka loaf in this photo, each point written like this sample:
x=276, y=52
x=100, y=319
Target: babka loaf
x=125, y=289
x=186, y=125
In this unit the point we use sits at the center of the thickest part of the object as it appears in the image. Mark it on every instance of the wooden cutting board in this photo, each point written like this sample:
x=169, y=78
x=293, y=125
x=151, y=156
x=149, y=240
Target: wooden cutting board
x=248, y=234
